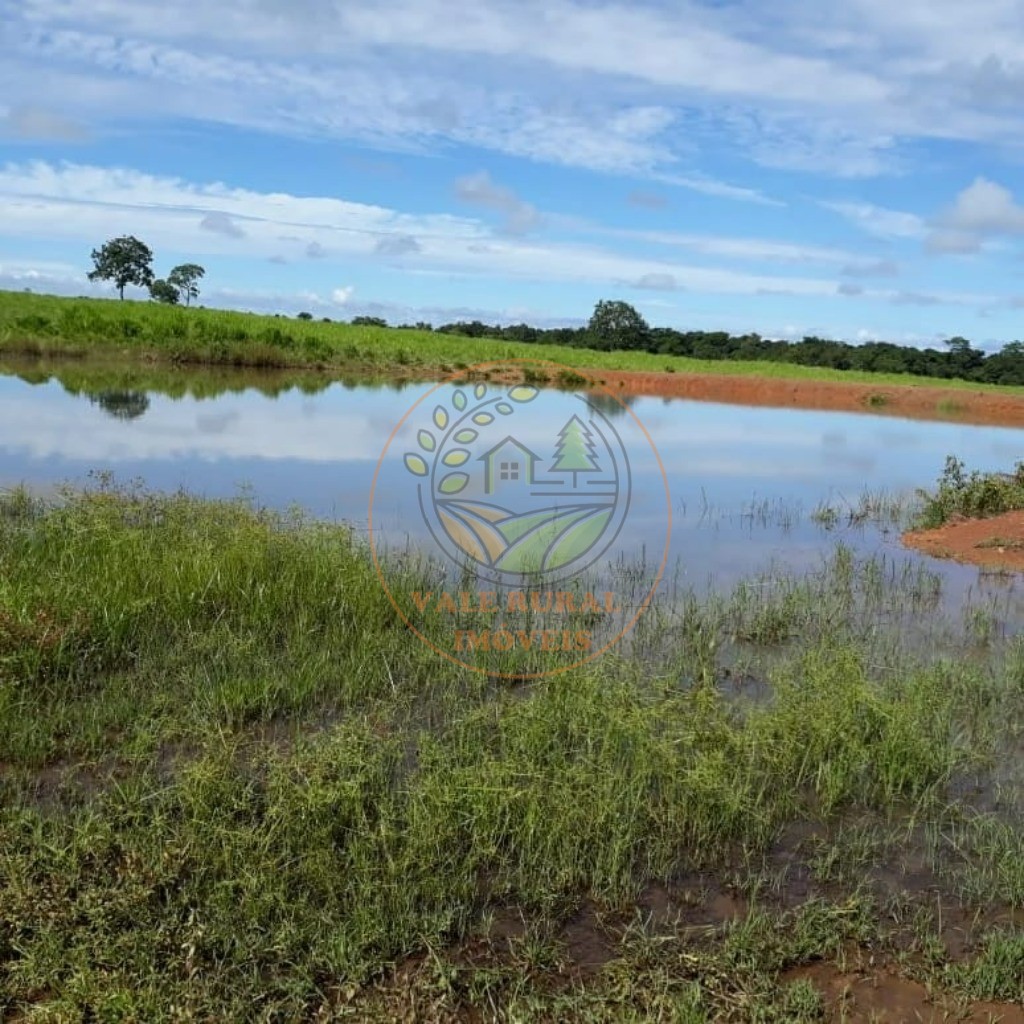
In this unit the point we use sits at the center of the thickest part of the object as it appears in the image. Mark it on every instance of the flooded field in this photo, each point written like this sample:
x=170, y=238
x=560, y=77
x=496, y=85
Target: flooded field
x=793, y=792
x=749, y=486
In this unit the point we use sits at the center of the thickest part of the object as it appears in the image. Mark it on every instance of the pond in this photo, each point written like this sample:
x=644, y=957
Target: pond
x=748, y=488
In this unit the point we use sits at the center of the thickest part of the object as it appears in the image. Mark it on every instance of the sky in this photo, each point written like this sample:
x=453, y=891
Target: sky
x=847, y=170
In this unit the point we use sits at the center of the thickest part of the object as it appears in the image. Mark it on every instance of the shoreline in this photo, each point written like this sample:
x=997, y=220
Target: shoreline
x=993, y=542
x=933, y=402
x=910, y=401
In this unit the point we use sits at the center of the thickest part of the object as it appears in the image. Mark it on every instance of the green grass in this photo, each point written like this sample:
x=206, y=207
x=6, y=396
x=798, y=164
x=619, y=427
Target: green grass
x=47, y=326
x=233, y=786
x=970, y=495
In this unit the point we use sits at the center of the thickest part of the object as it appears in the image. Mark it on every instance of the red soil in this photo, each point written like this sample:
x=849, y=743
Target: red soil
x=912, y=401
x=997, y=542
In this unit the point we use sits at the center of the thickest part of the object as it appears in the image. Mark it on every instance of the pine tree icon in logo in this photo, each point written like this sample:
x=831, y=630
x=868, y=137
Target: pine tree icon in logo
x=575, y=452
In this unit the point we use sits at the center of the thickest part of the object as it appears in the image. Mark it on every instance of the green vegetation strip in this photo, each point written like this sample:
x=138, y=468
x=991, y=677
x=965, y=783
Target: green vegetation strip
x=47, y=326
x=232, y=786
x=971, y=495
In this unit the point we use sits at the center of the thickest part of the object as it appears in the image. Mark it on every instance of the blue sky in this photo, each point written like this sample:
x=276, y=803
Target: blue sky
x=849, y=170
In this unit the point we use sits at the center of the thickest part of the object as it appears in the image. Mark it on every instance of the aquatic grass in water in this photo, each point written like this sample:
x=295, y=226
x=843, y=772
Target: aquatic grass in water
x=233, y=784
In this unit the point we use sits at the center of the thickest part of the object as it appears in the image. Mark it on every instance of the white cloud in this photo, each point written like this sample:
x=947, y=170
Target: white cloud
x=985, y=206
x=982, y=210
x=880, y=221
x=628, y=87
x=85, y=203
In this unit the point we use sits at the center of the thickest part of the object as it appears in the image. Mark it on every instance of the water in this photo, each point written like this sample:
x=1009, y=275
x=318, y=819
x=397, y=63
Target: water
x=743, y=482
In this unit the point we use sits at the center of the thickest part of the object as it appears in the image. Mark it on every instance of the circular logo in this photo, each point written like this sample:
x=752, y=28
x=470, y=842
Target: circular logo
x=525, y=493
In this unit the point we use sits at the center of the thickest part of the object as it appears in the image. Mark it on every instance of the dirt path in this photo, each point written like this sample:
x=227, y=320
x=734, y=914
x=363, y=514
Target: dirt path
x=996, y=542
x=964, y=405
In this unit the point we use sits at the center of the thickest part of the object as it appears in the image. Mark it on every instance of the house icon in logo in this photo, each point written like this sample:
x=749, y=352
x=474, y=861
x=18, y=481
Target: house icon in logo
x=508, y=465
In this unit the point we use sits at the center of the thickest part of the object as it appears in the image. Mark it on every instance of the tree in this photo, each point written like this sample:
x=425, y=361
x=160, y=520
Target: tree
x=305, y=316
x=164, y=291
x=575, y=452
x=186, y=279
x=963, y=359
x=616, y=324
x=124, y=260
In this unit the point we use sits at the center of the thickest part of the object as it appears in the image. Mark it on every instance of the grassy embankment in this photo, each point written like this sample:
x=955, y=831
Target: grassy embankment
x=232, y=786
x=47, y=326
x=971, y=495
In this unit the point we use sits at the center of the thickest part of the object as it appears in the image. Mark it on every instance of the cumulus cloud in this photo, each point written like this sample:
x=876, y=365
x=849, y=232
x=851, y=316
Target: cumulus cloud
x=82, y=203
x=983, y=207
x=480, y=190
x=341, y=296
x=315, y=251
x=983, y=210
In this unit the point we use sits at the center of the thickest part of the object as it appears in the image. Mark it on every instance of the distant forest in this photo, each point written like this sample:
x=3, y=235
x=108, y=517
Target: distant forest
x=617, y=326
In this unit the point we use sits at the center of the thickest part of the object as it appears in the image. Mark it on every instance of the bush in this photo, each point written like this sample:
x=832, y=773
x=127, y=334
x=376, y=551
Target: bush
x=972, y=495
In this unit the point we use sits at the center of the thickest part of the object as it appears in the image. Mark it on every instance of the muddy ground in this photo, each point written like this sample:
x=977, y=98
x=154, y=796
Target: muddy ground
x=996, y=542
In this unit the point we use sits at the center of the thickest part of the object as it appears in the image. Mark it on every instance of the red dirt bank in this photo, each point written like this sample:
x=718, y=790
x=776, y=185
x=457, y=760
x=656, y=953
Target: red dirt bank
x=912, y=401
x=997, y=542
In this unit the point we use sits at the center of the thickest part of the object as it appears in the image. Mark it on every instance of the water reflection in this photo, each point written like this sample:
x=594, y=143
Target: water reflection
x=748, y=484
x=122, y=405
x=612, y=406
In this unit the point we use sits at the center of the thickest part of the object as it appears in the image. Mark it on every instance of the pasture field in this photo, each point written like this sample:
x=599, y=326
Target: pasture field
x=49, y=326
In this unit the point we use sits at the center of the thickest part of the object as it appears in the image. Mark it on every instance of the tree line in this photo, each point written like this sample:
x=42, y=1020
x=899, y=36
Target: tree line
x=617, y=326
x=126, y=260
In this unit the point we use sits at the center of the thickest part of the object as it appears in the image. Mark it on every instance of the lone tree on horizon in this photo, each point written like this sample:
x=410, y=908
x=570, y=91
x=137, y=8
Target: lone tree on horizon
x=616, y=324
x=124, y=260
x=575, y=452
x=186, y=279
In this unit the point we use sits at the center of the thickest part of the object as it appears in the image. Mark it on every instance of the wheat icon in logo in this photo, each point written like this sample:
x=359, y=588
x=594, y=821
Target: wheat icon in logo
x=519, y=488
